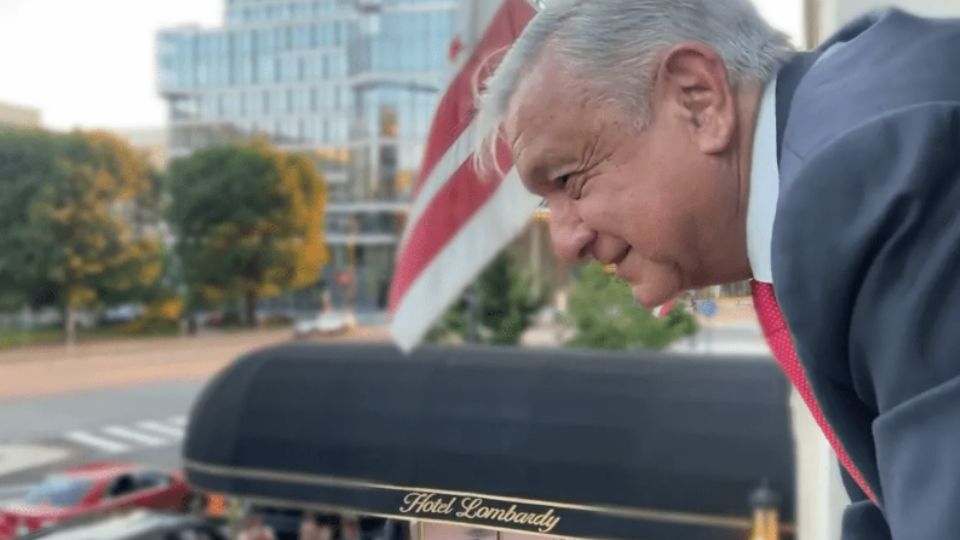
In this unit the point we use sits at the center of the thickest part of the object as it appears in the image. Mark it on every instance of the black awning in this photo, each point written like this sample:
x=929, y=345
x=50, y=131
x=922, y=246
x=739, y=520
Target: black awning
x=574, y=443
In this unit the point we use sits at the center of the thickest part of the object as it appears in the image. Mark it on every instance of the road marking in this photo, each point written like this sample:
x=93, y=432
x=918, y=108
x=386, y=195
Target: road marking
x=135, y=436
x=116, y=439
x=100, y=443
x=172, y=431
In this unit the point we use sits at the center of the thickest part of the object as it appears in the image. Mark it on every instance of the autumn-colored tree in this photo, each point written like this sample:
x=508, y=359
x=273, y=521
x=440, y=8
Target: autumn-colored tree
x=248, y=222
x=80, y=215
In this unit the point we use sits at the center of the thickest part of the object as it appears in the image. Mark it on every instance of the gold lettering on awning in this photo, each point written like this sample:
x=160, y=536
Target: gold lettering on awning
x=543, y=520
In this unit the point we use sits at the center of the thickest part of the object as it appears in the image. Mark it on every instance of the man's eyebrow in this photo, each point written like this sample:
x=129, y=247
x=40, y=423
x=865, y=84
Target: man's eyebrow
x=534, y=170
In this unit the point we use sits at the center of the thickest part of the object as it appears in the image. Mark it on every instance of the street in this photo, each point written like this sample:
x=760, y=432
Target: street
x=143, y=424
x=125, y=401
x=737, y=339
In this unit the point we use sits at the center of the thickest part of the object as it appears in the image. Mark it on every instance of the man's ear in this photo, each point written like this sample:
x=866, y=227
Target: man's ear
x=692, y=83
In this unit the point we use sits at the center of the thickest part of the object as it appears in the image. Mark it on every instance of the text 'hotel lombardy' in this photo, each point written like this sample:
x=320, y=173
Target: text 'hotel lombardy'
x=479, y=509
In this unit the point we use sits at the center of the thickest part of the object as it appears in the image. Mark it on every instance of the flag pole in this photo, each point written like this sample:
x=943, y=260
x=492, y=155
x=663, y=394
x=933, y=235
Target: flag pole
x=472, y=330
x=433, y=271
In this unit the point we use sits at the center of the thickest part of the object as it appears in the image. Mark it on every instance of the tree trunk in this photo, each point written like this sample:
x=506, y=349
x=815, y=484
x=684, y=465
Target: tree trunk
x=250, y=308
x=69, y=326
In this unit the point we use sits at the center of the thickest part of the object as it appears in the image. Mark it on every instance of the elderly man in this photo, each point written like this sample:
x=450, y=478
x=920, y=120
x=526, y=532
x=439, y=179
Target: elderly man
x=687, y=143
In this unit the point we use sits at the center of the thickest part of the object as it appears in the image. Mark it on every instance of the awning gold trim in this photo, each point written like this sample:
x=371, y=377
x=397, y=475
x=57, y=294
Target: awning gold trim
x=710, y=520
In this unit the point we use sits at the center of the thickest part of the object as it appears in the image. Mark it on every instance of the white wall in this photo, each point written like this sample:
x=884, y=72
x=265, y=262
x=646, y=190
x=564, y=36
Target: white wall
x=820, y=494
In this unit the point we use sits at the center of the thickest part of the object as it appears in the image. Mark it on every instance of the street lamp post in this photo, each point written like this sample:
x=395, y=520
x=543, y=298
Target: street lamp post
x=352, y=271
x=765, y=502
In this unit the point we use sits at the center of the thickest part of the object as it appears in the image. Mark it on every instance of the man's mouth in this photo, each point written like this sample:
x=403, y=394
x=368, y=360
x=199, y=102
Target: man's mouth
x=615, y=261
x=615, y=266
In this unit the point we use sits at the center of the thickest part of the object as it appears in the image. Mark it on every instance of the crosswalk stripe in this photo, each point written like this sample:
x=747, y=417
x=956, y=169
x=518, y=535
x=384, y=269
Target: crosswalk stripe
x=179, y=420
x=136, y=436
x=166, y=429
x=89, y=439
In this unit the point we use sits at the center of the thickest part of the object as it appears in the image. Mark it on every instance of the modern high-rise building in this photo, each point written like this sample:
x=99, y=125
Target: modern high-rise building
x=16, y=116
x=151, y=142
x=352, y=83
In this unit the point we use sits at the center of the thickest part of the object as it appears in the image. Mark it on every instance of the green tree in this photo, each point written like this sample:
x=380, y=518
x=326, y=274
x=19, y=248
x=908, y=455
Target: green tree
x=80, y=215
x=605, y=316
x=248, y=222
x=505, y=306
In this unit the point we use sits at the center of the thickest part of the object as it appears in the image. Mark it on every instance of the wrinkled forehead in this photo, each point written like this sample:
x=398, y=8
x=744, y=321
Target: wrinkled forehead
x=530, y=106
x=548, y=116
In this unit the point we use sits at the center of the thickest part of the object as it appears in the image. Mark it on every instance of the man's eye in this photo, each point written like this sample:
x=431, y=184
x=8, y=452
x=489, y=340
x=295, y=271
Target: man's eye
x=562, y=180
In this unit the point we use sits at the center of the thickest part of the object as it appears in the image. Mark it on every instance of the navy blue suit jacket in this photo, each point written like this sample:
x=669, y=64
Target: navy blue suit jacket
x=866, y=260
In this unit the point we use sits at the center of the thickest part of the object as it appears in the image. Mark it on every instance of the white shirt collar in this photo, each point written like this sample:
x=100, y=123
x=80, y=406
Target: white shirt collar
x=765, y=180
x=764, y=187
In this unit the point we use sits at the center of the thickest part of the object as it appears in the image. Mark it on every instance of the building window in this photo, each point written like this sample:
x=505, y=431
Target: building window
x=267, y=41
x=278, y=100
x=303, y=98
x=265, y=102
x=301, y=36
x=289, y=100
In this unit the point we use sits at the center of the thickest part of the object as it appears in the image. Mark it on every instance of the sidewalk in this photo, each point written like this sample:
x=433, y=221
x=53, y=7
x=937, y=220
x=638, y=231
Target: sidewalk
x=55, y=369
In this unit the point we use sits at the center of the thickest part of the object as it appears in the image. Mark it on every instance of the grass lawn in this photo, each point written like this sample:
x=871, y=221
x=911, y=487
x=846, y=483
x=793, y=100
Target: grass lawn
x=16, y=338
x=13, y=338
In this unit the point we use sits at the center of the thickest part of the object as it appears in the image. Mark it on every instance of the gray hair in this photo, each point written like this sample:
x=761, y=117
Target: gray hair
x=613, y=46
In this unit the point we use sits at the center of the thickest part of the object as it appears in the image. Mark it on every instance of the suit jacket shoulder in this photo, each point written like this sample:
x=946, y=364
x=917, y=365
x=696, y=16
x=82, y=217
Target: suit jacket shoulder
x=866, y=253
x=886, y=61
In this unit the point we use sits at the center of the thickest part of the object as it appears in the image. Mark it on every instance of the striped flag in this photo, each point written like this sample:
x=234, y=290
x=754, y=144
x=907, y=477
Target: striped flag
x=663, y=310
x=458, y=222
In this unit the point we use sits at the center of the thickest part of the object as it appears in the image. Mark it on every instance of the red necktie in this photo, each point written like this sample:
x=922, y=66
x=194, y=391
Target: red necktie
x=778, y=337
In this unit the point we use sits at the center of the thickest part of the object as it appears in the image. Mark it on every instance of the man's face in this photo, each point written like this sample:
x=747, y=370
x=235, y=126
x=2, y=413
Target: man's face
x=650, y=201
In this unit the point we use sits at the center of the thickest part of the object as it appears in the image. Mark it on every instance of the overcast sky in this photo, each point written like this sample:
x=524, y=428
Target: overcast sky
x=90, y=63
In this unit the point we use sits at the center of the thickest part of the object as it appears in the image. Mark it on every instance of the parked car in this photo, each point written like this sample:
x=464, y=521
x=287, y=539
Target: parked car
x=95, y=488
x=137, y=525
x=122, y=313
x=327, y=323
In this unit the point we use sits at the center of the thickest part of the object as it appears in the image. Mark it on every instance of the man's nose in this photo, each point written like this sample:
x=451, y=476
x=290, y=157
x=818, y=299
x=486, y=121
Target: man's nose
x=569, y=234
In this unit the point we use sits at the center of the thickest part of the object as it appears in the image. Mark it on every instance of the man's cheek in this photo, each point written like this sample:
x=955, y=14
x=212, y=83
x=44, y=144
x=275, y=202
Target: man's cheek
x=604, y=217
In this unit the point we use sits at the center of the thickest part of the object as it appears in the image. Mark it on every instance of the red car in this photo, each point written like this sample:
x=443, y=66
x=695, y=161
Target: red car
x=95, y=488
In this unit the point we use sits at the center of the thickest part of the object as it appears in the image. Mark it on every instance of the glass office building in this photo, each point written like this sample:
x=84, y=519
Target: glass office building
x=352, y=83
